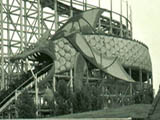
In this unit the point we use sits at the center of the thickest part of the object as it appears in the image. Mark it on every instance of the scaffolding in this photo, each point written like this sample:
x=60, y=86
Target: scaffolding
x=24, y=21
x=22, y=24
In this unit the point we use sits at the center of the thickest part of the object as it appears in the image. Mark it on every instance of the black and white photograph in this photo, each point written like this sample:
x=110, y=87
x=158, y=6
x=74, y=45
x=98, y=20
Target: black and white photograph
x=80, y=59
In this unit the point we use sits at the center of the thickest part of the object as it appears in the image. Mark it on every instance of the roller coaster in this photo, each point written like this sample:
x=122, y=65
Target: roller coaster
x=75, y=41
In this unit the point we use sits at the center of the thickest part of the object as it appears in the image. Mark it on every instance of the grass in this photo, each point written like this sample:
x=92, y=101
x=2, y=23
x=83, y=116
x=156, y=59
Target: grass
x=135, y=111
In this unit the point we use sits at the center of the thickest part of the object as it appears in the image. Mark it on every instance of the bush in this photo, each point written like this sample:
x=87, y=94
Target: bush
x=86, y=99
x=25, y=106
x=63, y=98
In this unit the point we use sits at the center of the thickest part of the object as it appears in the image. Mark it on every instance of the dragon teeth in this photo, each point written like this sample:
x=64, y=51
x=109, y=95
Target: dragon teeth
x=29, y=57
x=35, y=54
x=38, y=53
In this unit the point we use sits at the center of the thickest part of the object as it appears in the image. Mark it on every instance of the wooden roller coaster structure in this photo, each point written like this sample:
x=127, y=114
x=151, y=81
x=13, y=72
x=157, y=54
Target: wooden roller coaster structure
x=23, y=22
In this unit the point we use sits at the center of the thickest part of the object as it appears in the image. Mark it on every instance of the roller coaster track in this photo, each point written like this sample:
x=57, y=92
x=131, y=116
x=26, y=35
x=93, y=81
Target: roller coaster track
x=106, y=22
x=18, y=91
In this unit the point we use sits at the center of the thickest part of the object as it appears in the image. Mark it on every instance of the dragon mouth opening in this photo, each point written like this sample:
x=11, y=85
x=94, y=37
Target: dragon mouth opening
x=42, y=65
x=40, y=60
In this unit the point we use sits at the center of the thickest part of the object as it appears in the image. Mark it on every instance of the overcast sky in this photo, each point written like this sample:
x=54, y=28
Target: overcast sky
x=146, y=25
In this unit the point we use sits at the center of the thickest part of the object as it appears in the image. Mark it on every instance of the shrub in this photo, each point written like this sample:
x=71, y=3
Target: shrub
x=87, y=99
x=63, y=98
x=25, y=106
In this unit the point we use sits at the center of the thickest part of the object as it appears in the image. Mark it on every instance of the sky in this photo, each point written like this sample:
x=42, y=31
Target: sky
x=146, y=23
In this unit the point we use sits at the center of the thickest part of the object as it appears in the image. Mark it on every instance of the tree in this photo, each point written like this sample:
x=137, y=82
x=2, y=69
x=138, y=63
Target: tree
x=25, y=105
x=87, y=99
x=63, y=98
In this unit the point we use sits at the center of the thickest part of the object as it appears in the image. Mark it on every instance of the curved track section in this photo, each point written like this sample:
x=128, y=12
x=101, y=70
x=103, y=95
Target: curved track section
x=107, y=24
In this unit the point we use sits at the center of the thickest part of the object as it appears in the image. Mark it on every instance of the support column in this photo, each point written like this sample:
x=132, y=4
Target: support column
x=9, y=47
x=71, y=79
x=71, y=86
x=39, y=19
x=87, y=76
x=25, y=30
x=56, y=15
x=42, y=28
x=16, y=95
x=21, y=25
x=36, y=93
x=151, y=79
x=131, y=85
x=85, y=5
x=131, y=21
x=36, y=79
x=54, y=83
x=110, y=23
x=71, y=9
x=99, y=3
x=99, y=25
x=148, y=81
x=127, y=32
x=140, y=78
x=2, y=45
x=121, y=27
x=21, y=31
x=9, y=113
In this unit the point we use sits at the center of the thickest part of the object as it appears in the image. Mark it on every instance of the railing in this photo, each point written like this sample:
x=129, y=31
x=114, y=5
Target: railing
x=20, y=87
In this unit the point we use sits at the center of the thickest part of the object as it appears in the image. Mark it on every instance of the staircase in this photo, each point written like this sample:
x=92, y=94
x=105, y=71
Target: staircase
x=25, y=85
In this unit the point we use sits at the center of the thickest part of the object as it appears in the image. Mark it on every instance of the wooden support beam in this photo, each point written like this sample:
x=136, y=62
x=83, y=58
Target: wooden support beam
x=36, y=94
x=131, y=85
x=21, y=25
x=131, y=21
x=127, y=30
x=71, y=79
x=121, y=27
x=87, y=76
x=85, y=5
x=71, y=8
x=54, y=83
x=36, y=90
x=56, y=15
x=2, y=47
x=151, y=79
x=148, y=80
x=99, y=3
x=16, y=95
x=8, y=47
x=25, y=29
x=110, y=20
x=140, y=79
